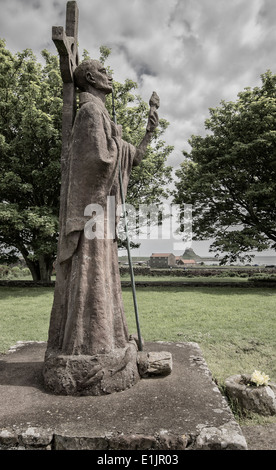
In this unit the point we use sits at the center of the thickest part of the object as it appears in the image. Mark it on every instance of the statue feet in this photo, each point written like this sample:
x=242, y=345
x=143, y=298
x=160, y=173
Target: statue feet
x=102, y=374
x=99, y=374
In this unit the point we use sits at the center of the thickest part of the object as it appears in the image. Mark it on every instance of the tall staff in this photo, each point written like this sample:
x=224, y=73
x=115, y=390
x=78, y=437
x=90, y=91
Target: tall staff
x=140, y=346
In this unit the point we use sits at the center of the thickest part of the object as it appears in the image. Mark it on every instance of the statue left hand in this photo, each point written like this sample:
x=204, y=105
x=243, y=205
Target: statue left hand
x=153, y=121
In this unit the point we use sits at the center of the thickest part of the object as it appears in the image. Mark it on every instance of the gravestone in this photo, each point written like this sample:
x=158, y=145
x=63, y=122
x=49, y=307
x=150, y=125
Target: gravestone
x=89, y=350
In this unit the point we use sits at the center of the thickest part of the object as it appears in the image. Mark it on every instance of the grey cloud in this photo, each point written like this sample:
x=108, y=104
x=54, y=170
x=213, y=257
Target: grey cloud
x=140, y=66
x=193, y=52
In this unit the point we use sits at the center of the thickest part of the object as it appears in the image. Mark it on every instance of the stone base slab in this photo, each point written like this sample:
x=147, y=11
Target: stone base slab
x=180, y=411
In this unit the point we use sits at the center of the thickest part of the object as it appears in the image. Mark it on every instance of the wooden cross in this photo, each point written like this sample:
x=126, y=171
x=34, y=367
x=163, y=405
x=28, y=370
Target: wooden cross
x=67, y=45
x=67, y=42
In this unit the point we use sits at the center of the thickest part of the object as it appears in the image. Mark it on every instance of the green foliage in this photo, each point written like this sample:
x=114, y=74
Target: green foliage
x=230, y=174
x=263, y=277
x=30, y=127
x=8, y=272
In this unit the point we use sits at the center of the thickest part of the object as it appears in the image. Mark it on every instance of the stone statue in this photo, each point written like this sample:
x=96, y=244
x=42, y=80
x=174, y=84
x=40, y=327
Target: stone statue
x=89, y=351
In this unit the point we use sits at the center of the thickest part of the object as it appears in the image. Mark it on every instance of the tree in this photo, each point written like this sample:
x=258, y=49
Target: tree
x=229, y=176
x=30, y=148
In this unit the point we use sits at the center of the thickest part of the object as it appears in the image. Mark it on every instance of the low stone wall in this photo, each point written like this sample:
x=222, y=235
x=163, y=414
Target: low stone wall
x=21, y=283
x=153, y=282
x=32, y=438
x=36, y=438
x=138, y=270
x=241, y=284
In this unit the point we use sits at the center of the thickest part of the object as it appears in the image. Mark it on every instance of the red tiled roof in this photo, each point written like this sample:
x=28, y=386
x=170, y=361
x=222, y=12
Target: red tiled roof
x=159, y=255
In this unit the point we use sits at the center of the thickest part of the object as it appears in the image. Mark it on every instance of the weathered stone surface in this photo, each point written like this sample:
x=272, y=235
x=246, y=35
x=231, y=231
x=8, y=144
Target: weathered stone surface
x=30, y=438
x=162, y=440
x=100, y=374
x=35, y=437
x=260, y=399
x=162, y=411
x=62, y=442
x=8, y=438
x=154, y=363
x=225, y=437
x=88, y=350
x=168, y=441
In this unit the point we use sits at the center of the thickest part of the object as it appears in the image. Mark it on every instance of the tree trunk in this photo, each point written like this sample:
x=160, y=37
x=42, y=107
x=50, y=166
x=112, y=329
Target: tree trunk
x=45, y=268
x=34, y=268
x=41, y=269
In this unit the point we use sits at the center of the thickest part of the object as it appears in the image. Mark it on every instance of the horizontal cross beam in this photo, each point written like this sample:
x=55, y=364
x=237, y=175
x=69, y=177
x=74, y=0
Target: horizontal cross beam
x=67, y=42
x=66, y=47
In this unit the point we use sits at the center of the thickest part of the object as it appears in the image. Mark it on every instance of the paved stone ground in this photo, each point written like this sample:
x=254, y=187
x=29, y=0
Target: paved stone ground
x=184, y=410
x=260, y=437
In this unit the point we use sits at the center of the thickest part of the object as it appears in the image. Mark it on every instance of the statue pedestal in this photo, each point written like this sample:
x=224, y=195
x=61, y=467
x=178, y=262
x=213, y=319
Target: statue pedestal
x=99, y=374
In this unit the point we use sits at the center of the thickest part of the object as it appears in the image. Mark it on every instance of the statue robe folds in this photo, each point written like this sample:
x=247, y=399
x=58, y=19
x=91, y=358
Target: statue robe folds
x=89, y=351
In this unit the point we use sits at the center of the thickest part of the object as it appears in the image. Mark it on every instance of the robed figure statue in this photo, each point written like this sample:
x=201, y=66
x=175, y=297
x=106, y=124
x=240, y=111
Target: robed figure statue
x=89, y=351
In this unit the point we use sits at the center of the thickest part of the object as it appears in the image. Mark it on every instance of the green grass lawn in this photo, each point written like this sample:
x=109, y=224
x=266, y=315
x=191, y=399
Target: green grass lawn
x=24, y=314
x=234, y=327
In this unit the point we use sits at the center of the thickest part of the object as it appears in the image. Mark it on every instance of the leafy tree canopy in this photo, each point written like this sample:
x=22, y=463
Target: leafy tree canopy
x=229, y=176
x=30, y=127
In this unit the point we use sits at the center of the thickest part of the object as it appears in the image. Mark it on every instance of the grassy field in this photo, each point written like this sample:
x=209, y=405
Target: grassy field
x=234, y=327
x=24, y=314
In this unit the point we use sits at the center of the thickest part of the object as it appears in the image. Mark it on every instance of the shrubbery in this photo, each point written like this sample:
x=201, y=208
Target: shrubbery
x=13, y=272
x=262, y=277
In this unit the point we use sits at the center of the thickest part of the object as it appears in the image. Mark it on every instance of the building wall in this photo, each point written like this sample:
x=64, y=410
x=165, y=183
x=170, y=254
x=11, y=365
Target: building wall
x=162, y=261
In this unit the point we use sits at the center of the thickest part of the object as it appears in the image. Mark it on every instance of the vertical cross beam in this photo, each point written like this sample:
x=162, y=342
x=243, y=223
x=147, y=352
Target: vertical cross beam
x=67, y=45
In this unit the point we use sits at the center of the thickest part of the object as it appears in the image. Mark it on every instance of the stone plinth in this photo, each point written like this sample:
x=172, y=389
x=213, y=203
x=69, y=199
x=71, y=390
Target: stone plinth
x=182, y=410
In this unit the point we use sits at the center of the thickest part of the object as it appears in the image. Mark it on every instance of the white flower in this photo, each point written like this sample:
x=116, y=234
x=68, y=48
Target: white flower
x=259, y=378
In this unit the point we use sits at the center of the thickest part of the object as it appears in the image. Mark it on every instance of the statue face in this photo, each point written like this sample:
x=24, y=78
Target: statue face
x=99, y=78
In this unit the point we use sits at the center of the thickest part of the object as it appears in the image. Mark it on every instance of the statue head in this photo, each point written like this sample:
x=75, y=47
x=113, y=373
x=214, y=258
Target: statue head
x=92, y=73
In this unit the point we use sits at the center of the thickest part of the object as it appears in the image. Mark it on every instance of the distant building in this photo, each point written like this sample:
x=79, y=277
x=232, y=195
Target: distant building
x=162, y=260
x=189, y=262
x=184, y=262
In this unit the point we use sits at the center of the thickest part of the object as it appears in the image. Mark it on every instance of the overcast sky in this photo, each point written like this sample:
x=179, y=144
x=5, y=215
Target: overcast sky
x=194, y=53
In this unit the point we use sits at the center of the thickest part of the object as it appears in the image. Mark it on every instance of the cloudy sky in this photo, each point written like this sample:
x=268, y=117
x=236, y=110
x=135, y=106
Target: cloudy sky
x=194, y=53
